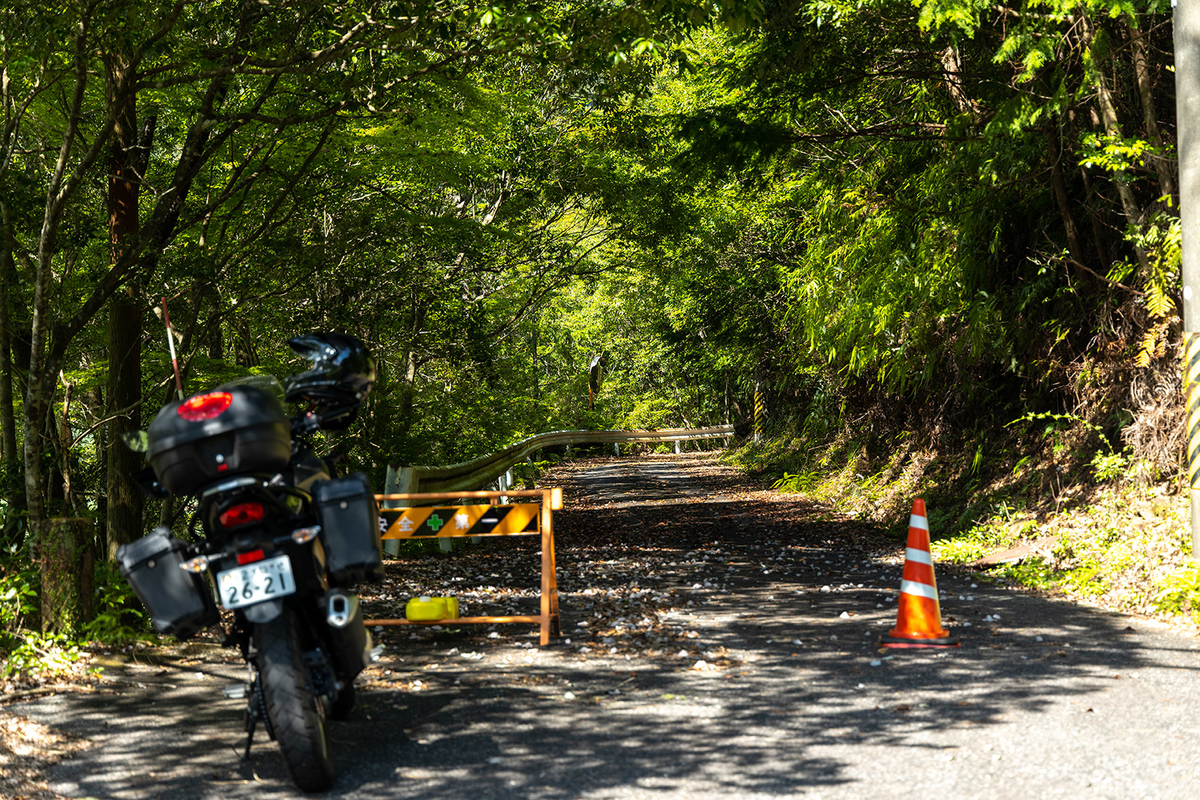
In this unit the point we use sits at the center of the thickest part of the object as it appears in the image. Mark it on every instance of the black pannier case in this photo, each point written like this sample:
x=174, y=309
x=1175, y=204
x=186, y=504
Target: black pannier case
x=251, y=435
x=179, y=601
x=349, y=529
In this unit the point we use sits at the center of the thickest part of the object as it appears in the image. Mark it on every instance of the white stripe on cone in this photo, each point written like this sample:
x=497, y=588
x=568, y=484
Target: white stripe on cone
x=918, y=522
x=920, y=556
x=918, y=589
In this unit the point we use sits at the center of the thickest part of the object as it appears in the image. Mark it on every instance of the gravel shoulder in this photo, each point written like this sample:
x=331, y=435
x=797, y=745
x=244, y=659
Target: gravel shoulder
x=719, y=641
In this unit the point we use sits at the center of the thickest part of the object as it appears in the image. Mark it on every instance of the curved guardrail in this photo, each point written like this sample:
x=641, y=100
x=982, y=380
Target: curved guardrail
x=479, y=472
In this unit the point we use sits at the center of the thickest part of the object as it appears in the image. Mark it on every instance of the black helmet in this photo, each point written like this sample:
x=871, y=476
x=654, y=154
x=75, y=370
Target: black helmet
x=340, y=379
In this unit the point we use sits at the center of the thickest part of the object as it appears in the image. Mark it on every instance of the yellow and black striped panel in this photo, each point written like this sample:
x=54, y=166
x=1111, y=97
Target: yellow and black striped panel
x=1191, y=393
x=449, y=521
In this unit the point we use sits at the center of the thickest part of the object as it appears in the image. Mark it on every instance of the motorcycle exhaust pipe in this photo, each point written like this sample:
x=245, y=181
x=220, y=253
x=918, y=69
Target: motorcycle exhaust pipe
x=352, y=644
x=340, y=608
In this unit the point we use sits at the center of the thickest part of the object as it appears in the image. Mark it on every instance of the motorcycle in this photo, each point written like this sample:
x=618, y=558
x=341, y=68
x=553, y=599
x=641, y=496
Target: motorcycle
x=275, y=536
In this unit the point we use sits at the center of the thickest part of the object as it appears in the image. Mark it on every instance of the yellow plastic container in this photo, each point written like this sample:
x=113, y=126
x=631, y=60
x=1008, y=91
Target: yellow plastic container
x=423, y=609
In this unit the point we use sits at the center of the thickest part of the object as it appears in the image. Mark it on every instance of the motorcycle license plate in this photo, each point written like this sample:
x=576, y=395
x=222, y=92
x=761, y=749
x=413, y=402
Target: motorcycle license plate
x=254, y=583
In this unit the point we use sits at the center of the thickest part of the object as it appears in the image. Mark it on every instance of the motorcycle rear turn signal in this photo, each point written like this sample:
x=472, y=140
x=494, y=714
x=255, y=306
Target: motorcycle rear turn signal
x=197, y=564
x=302, y=535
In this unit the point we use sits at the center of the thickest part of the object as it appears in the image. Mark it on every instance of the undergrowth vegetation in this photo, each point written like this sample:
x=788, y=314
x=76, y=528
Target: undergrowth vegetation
x=1053, y=506
x=32, y=656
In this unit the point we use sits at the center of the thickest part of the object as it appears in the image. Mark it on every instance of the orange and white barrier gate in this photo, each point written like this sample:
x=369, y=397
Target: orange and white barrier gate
x=483, y=519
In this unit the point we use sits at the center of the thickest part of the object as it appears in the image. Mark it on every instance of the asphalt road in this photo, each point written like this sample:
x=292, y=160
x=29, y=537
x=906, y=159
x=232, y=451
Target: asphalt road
x=781, y=601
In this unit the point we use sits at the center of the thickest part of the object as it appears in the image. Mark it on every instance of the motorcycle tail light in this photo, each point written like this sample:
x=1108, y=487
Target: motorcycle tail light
x=251, y=557
x=242, y=514
x=204, y=406
x=302, y=535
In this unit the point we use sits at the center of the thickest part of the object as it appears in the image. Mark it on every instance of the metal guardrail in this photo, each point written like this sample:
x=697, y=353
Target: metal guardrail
x=479, y=472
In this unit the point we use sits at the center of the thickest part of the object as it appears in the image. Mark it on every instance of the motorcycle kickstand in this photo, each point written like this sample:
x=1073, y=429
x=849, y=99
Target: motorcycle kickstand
x=250, y=726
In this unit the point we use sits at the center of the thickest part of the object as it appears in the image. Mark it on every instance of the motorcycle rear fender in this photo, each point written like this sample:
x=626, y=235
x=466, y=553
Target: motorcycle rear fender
x=264, y=612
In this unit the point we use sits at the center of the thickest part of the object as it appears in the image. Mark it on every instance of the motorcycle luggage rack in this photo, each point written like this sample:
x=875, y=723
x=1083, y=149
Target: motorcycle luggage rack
x=497, y=518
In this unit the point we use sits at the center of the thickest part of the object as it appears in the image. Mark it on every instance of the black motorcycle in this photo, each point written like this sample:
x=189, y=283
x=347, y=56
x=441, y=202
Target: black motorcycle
x=283, y=540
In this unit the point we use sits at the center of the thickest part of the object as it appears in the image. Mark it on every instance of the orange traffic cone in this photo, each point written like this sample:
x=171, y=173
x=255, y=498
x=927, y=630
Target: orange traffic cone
x=919, y=618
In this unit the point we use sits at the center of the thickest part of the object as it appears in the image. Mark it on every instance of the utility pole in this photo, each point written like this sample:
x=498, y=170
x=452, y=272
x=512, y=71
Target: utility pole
x=1187, y=118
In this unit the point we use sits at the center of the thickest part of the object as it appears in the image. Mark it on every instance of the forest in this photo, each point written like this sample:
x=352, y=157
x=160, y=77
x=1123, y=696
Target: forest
x=921, y=230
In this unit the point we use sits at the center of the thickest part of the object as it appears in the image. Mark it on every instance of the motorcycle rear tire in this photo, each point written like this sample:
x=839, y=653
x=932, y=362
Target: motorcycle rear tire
x=296, y=714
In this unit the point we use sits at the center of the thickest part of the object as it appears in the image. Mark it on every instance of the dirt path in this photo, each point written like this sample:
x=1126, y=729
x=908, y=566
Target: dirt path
x=719, y=641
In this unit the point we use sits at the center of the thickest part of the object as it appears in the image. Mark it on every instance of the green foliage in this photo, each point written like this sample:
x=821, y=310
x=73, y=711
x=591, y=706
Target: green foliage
x=1179, y=593
x=1109, y=466
x=1087, y=579
x=907, y=208
x=1112, y=153
x=962, y=549
x=1057, y=427
x=1160, y=239
x=527, y=473
x=1035, y=573
x=996, y=531
x=119, y=615
x=799, y=483
x=41, y=656
x=18, y=594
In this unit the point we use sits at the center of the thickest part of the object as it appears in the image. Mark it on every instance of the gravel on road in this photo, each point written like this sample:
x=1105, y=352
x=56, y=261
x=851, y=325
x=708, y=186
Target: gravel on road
x=719, y=640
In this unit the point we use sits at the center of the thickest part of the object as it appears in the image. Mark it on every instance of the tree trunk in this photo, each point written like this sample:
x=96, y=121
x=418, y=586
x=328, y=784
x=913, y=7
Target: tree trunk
x=12, y=485
x=1062, y=199
x=537, y=384
x=952, y=70
x=1141, y=69
x=1112, y=126
x=62, y=549
x=1096, y=224
x=215, y=344
x=125, y=503
x=65, y=436
x=409, y=387
x=74, y=162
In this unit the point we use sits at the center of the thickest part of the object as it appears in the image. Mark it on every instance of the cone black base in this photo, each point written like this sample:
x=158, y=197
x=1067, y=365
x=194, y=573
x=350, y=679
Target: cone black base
x=897, y=641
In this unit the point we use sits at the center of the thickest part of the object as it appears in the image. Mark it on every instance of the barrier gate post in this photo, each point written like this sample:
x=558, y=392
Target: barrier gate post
x=521, y=519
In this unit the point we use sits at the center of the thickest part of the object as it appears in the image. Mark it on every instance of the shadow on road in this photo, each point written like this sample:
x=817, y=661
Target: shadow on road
x=783, y=603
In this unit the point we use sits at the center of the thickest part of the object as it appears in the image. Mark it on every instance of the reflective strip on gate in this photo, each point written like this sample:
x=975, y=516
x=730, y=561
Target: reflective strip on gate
x=447, y=521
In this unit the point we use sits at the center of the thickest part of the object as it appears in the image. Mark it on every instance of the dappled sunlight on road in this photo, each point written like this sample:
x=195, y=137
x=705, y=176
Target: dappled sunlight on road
x=720, y=640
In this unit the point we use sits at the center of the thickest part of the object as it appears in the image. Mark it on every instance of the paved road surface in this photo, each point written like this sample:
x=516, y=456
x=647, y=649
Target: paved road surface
x=782, y=601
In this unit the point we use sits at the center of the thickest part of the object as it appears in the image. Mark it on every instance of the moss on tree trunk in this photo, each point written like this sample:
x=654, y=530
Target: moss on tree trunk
x=65, y=560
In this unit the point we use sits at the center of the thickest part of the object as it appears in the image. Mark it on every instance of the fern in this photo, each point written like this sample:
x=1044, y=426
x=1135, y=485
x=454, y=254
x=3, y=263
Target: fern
x=1152, y=343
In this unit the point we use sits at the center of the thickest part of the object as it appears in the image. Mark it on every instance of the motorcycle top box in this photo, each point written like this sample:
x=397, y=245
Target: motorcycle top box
x=229, y=431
